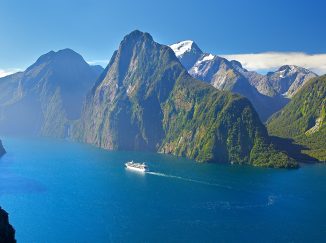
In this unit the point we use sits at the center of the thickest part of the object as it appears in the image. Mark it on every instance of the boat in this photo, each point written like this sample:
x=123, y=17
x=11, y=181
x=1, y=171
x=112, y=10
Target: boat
x=141, y=167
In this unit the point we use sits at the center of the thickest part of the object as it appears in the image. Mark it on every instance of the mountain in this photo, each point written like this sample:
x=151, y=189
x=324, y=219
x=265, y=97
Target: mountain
x=266, y=92
x=146, y=100
x=2, y=149
x=46, y=97
x=8, y=86
x=97, y=69
x=304, y=119
x=207, y=67
x=286, y=81
x=7, y=232
x=188, y=52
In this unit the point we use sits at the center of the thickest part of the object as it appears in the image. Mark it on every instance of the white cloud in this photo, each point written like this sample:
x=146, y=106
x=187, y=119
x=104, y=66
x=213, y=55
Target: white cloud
x=273, y=60
x=103, y=62
x=6, y=72
x=266, y=61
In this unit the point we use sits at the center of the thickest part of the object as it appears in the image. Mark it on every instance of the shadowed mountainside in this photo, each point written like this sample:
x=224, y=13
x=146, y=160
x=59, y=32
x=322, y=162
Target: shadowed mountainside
x=7, y=232
x=44, y=99
x=146, y=100
x=304, y=119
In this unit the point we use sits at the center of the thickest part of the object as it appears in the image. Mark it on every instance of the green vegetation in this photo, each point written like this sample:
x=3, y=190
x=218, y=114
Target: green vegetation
x=148, y=101
x=210, y=125
x=303, y=119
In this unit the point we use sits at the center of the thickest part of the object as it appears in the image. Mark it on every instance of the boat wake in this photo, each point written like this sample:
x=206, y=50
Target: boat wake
x=188, y=179
x=228, y=205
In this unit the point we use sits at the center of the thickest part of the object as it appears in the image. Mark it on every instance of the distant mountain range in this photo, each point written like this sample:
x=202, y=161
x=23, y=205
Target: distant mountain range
x=7, y=232
x=146, y=100
x=44, y=99
x=268, y=93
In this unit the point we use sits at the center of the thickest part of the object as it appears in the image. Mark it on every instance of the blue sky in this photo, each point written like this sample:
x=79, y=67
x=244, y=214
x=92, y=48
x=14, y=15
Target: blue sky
x=31, y=28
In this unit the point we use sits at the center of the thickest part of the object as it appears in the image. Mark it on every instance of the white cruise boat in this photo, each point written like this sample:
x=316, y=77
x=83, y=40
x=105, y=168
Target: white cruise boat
x=141, y=167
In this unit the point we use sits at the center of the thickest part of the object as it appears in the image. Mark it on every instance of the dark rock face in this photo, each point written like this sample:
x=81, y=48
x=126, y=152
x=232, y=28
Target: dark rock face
x=7, y=232
x=2, y=149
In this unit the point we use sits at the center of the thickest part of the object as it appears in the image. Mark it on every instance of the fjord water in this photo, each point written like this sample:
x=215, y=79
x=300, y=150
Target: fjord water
x=59, y=191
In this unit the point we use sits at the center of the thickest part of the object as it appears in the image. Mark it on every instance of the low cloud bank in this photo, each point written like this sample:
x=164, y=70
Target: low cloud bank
x=273, y=60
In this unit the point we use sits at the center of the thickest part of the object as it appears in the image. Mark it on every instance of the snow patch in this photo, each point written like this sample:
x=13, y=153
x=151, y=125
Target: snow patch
x=181, y=47
x=199, y=63
x=195, y=70
x=205, y=58
x=208, y=57
x=281, y=73
x=130, y=89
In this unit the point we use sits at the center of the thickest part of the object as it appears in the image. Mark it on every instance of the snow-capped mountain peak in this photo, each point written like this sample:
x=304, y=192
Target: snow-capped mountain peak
x=182, y=47
x=187, y=52
x=287, y=70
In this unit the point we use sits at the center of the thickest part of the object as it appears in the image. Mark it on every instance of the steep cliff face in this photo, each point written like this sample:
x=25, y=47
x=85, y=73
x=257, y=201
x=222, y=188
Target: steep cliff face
x=2, y=149
x=45, y=98
x=124, y=109
x=146, y=100
x=7, y=232
x=9, y=86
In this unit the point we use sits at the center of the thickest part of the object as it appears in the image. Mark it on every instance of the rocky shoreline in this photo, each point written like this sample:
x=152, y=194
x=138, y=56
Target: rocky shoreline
x=7, y=232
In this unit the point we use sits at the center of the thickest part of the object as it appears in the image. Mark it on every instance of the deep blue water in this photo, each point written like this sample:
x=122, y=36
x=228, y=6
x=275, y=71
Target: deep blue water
x=58, y=191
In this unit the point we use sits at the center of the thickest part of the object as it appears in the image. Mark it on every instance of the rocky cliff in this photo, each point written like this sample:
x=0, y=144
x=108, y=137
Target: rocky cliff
x=7, y=232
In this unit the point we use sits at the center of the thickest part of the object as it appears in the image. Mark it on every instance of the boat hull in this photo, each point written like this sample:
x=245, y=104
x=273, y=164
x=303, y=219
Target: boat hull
x=140, y=167
x=135, y=169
